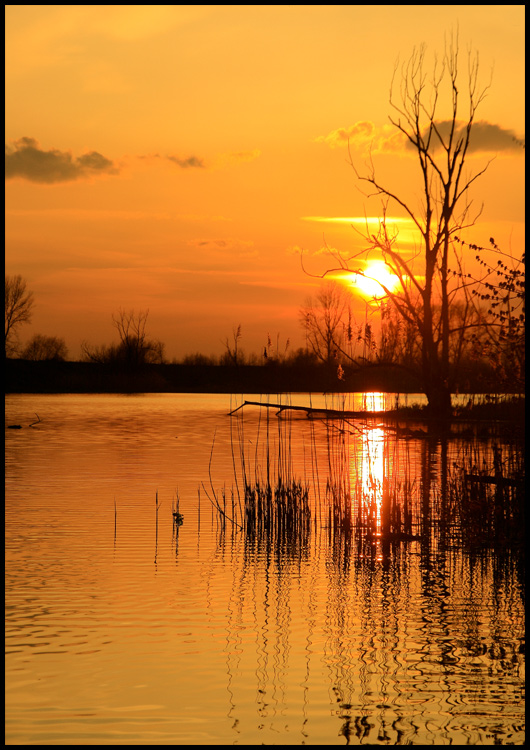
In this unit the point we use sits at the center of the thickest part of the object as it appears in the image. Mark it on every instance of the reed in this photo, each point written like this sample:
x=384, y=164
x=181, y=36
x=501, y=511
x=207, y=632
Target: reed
x=269, y=502
x=452, y=491
x=486, y=494
x=278, y=510
x=156, y=525
x=178, y=518
x=275, y=501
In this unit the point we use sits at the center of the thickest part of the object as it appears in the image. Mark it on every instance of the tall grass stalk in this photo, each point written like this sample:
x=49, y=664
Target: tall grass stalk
x=445, y=490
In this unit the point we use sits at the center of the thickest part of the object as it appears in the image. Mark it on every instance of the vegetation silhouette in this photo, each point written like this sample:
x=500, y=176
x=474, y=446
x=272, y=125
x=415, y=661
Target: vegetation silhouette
x=427, y=302
x=18, y=310
x=134, y=350
x=41, y=347
x=469, y=491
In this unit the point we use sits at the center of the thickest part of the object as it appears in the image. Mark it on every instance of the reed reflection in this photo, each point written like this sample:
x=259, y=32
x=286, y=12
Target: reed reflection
x=408, y=631
x=371, y=587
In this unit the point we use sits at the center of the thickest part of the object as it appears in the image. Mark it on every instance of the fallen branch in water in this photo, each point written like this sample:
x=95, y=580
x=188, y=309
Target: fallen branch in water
x=19, y=426
x=499, y=480
x=314, y=410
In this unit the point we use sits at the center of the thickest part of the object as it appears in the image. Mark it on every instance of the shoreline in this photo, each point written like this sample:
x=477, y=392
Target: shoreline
x=25, y=376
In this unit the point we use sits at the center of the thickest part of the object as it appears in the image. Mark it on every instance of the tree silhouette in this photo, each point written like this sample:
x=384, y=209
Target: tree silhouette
x=441, y=146
x=323, y=317
x=41, y=347
x=18, y=309
x=134, y=349
x=499, y=293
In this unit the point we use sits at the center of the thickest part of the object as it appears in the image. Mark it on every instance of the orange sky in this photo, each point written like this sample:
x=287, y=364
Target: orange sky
x=176, y=157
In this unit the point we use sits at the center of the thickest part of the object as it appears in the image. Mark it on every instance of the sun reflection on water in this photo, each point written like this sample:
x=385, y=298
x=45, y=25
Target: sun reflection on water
x=368, y=477
x=390, y=628
x=373, y=401
x=370, y=473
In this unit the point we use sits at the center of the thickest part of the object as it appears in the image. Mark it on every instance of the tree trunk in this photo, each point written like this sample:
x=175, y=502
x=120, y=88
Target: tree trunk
x=439, y=397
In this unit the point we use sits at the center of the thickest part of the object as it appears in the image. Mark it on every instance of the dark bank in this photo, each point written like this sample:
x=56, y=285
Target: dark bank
x=25, y=376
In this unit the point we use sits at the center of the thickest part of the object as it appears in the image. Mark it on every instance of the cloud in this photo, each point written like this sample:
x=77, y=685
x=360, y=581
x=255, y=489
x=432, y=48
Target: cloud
x=26, y=159
x=191, y=161
x=210, y=243
x=485, y=137
x=226, y=246
x=363, y=131
x=358, y=219
x=296, y=250
x=196, y=162
x=366, y=136
x=236, y=157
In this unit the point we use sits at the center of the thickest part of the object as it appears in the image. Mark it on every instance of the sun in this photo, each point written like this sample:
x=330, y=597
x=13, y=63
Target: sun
x=376, y=275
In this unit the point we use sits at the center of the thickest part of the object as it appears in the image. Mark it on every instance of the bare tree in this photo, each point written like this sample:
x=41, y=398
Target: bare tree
x=441, y=147
x=131, y=330
x=400, y=342
x=233, y=354
x=18, y=309
x=41, y=347
x=134, y=349
x=323, y=318
x=102, y=354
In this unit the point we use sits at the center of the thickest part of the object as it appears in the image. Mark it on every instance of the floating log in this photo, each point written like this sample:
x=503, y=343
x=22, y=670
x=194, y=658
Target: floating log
x=498, y=480
x=314, y=410
x=19, y=426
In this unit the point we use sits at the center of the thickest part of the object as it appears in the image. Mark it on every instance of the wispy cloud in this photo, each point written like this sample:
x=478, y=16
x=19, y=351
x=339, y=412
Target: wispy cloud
x=366, y=136
x=184, y=162
x=296, y=250
x=358, y=219
x=236, y=157
x=26, y=159
x=220, y=162
x=226, y=246
x=190, y=161
x=302, y=251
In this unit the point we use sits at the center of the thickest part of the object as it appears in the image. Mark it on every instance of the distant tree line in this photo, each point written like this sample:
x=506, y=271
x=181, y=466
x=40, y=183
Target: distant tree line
x=486, y=334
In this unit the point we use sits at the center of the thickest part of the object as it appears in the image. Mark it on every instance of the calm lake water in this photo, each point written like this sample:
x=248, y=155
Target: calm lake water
x=124, y=629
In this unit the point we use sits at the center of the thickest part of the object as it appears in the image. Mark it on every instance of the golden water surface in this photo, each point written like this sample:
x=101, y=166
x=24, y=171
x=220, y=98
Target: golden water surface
x=122, y=628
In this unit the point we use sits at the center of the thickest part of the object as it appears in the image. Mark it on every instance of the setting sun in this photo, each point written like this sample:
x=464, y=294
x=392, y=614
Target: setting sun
x=264, y=374
x=121, y=195
x=376, y=276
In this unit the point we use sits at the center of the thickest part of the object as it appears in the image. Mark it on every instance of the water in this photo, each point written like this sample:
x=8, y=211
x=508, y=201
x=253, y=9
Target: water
x=124, y=629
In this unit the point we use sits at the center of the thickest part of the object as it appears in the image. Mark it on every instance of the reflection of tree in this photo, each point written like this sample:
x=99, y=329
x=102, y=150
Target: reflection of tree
x=408, y=627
